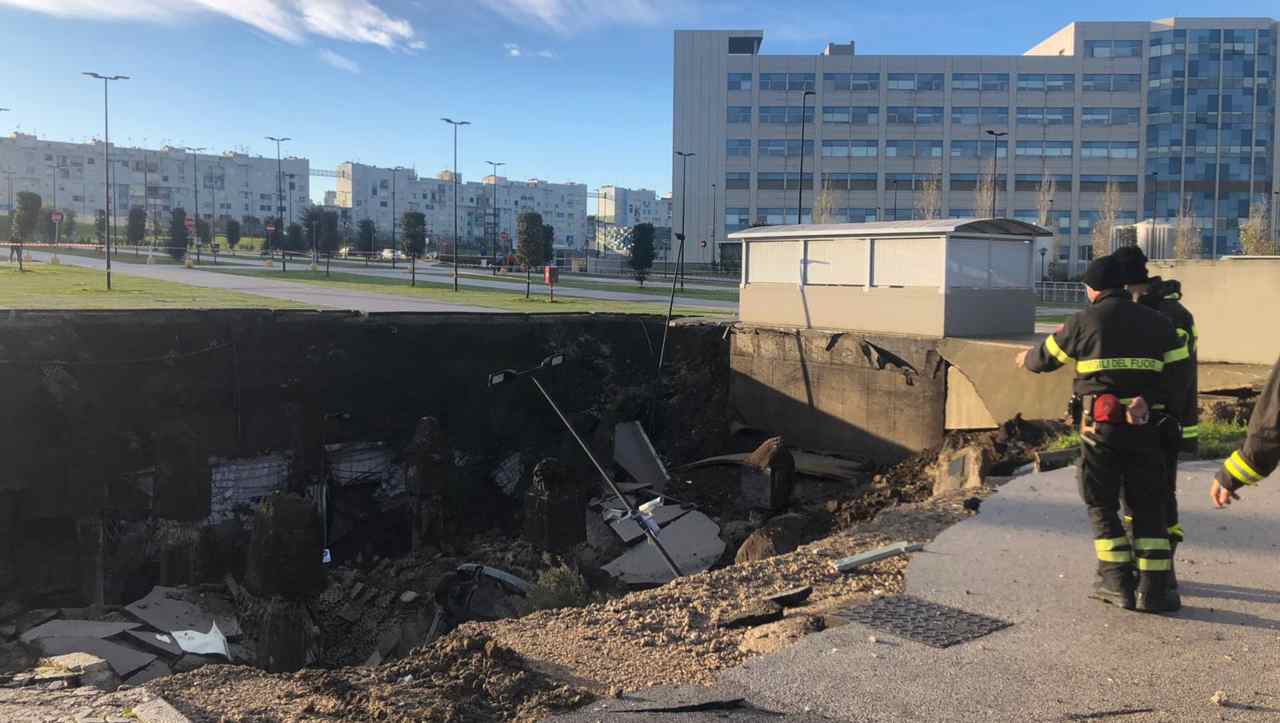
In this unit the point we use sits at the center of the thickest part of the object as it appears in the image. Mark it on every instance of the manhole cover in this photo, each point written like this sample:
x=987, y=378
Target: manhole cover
x=922, y=621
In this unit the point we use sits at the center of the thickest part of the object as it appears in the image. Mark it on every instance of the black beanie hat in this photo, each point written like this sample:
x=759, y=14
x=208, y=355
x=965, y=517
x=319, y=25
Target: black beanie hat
x=1105, y=272
x=1133, y=264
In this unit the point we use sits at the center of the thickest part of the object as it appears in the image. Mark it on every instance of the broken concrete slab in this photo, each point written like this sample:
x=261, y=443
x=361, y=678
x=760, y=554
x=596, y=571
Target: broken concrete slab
x=155, y=642
x=123, y=660
x=757, y=612
x=202, y=643
x=961, y=469
x=1047, y=461
x=791, y=598
x=852, y=563
x=158, y=711
x=76, y=629
x=629, y=530
x=772, y=637
x=32, y=618
x=168, y=609
x=89, y=669
x=693, y=541
x=155, y=669
x=633, y=451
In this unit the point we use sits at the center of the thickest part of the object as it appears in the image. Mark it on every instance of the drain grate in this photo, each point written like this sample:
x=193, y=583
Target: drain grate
x=922, y=621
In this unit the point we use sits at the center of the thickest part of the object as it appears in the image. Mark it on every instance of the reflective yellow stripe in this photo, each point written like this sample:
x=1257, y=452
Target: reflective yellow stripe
x=1128, y=519
x=1137, y=364
x=1115, y=549
x=1175, y=530
x=1176, y=355
x=1195, y=332
x=1117, y=556
x=1151, y=543
x=1191, y=432
x=1147, y=565
x=1110, y=544
x=1241, y=477
x=1246, y=473
x=1051, y=346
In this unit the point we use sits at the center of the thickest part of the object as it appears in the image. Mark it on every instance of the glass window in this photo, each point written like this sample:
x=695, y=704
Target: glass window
x=846, y=181
x=771, y=148
x=929, y=115
x=930, y=81
x=1096, y=82
x=1027, y=181
x=738, y=114
x=899, y=149
x=1124, y=116
x=864, y=115
x=1092, y=183
x=1031, y=81
x=738, y=148
x=1093, y=149
x=1126, y=184
x=1125, y=82
x=995, y=116
x=800, y=81
x=864, y=81
x=1029, y=149
x=835, y=114
x=900, y=114
x=995, y=81
x=1124, y=150
x=929, y=149
x=1027, y=215
x=835, y=149
x=773, y=81
x=743, y=46
x=964, y=181
x=773, y=114
x=1058, y=116
x=739, y=81
x=965, y=149
x=864, y=149
x=1030, y=116
x=1095, y=117
x=737, y=180
x=837, y=81
x=737, y=218
x=1098, y=49
x=771, y=181
x=964, y=115
x=965, y=81
x=902, y=81
x=1060, y=82
x=1127, y=49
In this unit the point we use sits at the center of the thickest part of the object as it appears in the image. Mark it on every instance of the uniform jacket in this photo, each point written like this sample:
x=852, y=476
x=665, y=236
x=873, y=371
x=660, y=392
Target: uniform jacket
x=1166, y=298
x=1261, y=452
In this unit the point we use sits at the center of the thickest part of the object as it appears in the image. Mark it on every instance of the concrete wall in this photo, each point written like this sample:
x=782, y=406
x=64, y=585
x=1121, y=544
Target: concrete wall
x=917, y=311
x=1236, y=303
x=873, y=395
x=990, y=312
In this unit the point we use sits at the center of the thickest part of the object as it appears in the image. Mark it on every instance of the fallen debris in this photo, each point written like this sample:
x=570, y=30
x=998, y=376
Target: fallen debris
x=123, y=660
x=768, y=476
x=89, y=669
x=693, y=541
x=758, y=612
x=849, y=564
x=775, y=636
x=1220, y=698
x=75, y=629
x=1046, y=461
x=633, y=451
x=791, y=598
x=780, y=535
x=810, y=464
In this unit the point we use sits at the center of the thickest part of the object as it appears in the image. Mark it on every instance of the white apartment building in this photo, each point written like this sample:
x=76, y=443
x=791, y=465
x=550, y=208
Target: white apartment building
x=384, y=194
x=1176, y=114
x=232, y=185
x=630, y=206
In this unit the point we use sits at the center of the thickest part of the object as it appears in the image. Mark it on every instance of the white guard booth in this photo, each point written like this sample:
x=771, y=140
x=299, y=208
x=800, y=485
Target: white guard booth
x=959, y=277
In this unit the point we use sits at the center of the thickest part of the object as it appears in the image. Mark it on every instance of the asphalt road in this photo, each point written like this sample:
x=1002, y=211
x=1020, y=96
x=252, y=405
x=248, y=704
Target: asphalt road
x=1028, y=558
x=309, y=294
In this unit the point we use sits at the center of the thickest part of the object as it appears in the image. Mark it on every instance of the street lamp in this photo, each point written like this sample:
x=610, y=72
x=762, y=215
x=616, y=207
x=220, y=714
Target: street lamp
x=394, y=171
x=995, y=154
x=195, y=185
x=455, y=125
x=279, y=190
x=804, y=101
x=713, y=226
x=684, y=201
x=106, y=152
x=497, y=217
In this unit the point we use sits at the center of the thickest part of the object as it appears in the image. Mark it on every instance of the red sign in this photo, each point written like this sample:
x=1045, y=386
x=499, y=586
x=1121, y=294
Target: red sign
x=56, y=217
x=271, y=228
x=550, y=275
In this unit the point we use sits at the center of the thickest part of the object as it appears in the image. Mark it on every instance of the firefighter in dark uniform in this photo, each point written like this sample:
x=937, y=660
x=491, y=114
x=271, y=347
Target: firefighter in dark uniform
x=1261, y=451
x=1122, y=353
x=1165, y=296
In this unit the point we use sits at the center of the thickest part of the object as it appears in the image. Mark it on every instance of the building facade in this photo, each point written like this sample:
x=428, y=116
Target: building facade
x=1127, y=120
x=385, y=194
x=231, y=185
x=628, y=207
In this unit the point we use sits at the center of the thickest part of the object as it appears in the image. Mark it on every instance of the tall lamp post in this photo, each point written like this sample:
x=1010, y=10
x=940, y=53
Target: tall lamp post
x=279, y=188
x=106, y=153
x=995, y=154
x=455, y=125
x=684, y=201
x=195, y=185
x=394, y=172
x=804, y=103
x=713, y=226
x=497, y=217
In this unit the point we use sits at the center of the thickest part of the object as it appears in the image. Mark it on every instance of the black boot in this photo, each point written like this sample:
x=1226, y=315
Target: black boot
x=1153, y=594
x=1114, y=585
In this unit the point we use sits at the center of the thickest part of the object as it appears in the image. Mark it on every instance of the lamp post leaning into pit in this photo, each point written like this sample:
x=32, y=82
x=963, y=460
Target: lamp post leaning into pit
x=502, y=376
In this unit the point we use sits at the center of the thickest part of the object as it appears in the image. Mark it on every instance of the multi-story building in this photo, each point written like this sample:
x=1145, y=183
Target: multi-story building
x=628, y=207
x=1162, y=118
x=232, y=185
x=384, y=194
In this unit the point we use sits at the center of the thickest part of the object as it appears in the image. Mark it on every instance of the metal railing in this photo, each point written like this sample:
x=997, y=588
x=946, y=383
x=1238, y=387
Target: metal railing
x=1061, y=292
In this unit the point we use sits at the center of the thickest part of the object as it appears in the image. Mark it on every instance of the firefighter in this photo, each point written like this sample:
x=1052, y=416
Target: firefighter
x=1165, y=297
x=1122, y=353
x=1261, y=451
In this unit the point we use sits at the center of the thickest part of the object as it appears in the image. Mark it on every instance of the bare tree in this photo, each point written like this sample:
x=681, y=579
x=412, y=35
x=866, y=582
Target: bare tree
x=1104, y=226
x=824, y=207
x=1255, y=233
x=929, y=197
x=1044, y=203
x=1186, y=235
x=983, y=194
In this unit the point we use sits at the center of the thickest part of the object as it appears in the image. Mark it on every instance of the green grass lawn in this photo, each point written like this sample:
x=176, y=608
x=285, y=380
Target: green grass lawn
x=43, y=286
x=1217, y=439
x=490, y=298
x=655, y=287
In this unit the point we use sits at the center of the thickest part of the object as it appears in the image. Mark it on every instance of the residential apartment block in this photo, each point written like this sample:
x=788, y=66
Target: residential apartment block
x=384, y=194
x=630, y=206
x=1174, y=114
x=231, y=184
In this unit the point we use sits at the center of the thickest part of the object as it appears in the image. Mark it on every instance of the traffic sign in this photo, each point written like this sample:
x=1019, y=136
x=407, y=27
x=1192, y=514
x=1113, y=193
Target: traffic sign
x=56, y=217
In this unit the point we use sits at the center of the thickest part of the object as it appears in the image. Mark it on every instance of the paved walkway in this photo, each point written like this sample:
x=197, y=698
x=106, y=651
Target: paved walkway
x=1027, y=558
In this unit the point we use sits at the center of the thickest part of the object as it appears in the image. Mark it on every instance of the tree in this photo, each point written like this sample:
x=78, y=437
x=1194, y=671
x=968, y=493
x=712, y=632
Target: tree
x=204, y=232
x=1104, y=226
x=1186, y=235
x=1255, y=233
x=69, y=225
x=548, y=243
x=366, y=233
x=251, y=226
x=178, y=237
x=100, y=226
x=531, y=248
x=824, y=210
x=330, y=234
x=233, y=233
x=294, y=240
x=929, y=199
x=642, y=252
x=413, y=225
x=136, y=229
x=1044, y=202
x=47, y=228
x=157, y=224
x=984, y=193
x=26, y=218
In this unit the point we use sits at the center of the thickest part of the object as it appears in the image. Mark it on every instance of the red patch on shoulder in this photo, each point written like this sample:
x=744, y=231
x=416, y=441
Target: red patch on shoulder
x=1060, y=328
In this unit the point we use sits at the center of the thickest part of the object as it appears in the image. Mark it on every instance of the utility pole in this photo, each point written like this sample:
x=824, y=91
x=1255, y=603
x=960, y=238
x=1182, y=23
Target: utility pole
x=106, y=153
x=713, y=226
x=455, y=125
x=995, y=154
x=279, y=190
x=496, y=215
x=195, y=184
x=393, y=215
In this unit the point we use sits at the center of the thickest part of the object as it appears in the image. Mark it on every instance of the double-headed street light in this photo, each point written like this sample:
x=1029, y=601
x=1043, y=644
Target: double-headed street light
x=279, y=188
x=995, y=154
x=106, y=152
x=455, y=125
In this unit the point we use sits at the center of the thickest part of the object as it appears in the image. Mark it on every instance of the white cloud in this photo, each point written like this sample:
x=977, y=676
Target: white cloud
x=546, y=54
x=341, y=62
x=417, y=45
x=355, y=21
x=513, y=50
x=567, y=16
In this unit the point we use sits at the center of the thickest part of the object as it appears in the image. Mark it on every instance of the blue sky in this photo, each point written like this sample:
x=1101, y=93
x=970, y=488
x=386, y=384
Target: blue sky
x=559, y=89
